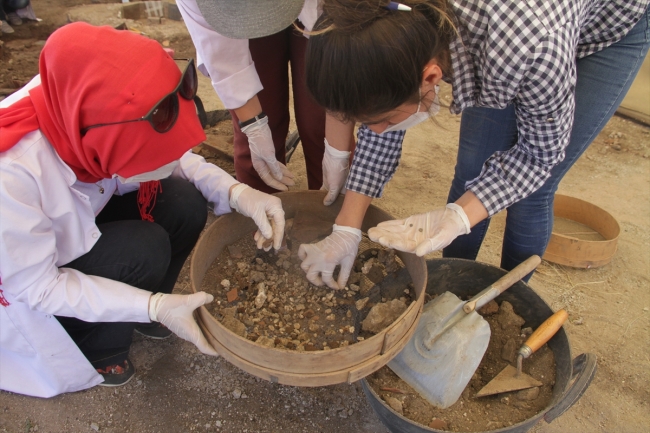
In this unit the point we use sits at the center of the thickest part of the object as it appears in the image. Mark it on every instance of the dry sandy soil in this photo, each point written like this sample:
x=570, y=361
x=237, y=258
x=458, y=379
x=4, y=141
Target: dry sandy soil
x=178, y=389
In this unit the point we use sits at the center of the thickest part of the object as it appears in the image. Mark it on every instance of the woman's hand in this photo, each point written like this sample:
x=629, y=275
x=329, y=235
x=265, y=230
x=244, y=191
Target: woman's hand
x=320, y=259
x=336, y=166
x=423, y=233
x=265, y=209
x=176, y=313
x=271, y=171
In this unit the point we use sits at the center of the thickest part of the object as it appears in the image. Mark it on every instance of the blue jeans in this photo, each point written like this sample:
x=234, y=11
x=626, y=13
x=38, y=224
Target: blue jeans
x=603, y=80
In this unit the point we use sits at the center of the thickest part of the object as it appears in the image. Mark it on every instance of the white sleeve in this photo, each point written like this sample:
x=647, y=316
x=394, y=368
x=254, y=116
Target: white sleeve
x=226, y=61
x=212, y=181
x=28, y=263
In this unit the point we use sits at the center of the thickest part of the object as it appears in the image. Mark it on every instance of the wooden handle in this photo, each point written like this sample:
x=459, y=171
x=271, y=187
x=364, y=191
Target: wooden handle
x=519, y=272
x=495, y=289
x=544, y=333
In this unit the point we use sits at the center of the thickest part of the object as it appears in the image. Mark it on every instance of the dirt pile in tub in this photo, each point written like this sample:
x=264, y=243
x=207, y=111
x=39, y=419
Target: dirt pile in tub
x=471, y=414
x=265, y=297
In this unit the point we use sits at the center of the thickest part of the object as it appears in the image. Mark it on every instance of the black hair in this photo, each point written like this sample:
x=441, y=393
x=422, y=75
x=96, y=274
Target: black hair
x=364, y=60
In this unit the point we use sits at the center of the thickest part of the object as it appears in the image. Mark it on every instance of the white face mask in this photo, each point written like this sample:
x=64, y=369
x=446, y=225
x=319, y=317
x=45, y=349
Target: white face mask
x=159, y=173
x=418, y=116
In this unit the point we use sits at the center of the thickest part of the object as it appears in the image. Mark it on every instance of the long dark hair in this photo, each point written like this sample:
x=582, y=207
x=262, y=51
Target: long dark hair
x=364, y=60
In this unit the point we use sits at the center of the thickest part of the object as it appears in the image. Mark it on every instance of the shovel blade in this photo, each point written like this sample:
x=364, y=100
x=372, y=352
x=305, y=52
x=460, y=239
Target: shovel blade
x=440, y=371
x=506, y=381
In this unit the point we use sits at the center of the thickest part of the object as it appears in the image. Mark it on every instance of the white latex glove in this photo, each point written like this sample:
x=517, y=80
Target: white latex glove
x=175, y=312
x=273, y=172
x=336, y=166
x=422, y=233
x=320, y=259
x=265, y=209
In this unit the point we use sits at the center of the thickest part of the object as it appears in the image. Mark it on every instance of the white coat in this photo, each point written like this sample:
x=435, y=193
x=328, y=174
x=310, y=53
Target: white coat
x=47, y=219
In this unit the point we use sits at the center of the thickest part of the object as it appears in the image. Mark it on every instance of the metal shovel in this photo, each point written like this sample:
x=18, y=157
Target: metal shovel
x=450, y=341
x=511, y=378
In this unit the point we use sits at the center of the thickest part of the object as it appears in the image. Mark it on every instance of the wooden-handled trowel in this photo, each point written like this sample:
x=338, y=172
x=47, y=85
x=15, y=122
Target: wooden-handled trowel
x=450, y=340
x=513, y=379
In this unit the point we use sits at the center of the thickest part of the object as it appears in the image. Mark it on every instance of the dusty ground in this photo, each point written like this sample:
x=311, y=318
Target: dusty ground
x=178, y=389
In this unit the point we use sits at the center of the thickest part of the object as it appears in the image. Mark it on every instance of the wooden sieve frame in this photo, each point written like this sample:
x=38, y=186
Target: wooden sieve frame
x=318, y=368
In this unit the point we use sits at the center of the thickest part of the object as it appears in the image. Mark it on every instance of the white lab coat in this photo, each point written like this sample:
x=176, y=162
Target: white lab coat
x=47, y=219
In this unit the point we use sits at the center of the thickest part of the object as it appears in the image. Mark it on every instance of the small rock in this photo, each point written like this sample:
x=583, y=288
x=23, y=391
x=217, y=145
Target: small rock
x=94, y=426
x=382, y=315
x=507, y=316
x=526, y=331
x=361, y=303
x=232, y=295
x=527, y=394
x=578, y=321
x=616, y=146
x=234, y=325
x=395, y=404
x=217, y=423
x=438, y=424
x=488, y=309
x=509, y=350
x=236, y=393
x=265, y=341
x=225, y=284
x=365, y=269
x=261, y=295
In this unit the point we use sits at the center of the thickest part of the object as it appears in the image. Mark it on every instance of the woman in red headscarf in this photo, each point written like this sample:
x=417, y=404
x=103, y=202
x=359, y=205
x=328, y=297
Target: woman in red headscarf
x=102, y=202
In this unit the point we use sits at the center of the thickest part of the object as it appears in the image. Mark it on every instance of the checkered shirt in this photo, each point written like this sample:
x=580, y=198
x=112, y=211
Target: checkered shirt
x=521, y=53
x=376, y=158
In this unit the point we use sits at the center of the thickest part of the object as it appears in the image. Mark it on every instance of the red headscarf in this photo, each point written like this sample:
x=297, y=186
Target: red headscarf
x=92, y=75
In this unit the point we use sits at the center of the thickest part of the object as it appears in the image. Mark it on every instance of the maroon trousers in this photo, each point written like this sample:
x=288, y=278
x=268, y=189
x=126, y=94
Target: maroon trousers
x=272, y=56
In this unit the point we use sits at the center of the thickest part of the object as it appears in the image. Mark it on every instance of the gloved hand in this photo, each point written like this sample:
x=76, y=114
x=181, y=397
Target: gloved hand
x=175, y=312
x=422, y=233
x=273, y=172
x=336, y=166
x=265, y=209
x=320, y=259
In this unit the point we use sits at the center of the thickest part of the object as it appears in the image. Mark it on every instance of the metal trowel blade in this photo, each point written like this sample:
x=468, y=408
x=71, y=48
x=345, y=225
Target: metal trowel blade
x=507, y=381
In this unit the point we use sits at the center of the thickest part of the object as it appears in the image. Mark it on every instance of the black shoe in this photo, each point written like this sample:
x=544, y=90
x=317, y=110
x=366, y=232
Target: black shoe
x=154, y=330
x=117, y=375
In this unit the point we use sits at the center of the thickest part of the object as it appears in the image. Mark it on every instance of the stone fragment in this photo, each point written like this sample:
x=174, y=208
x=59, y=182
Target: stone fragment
x=230, y=311
x=507, y=316
x=225, y=284
x=236, y=393
x=438, y=424
x=265, y=341
x=488, y=309
x=395, y=404
x=232, y=295
x=234, y=325
x=382, y=315
x=509, y=350
x=375, y=274
x=361, y=303
x=527, y=394
x=261, y=295
x=256, y=277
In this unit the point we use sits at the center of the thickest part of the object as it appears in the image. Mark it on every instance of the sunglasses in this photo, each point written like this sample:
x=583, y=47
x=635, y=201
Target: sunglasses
x=164, y=114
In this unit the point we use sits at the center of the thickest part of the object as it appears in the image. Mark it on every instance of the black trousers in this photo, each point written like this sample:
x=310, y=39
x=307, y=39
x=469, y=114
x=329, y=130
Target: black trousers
x=147, y=255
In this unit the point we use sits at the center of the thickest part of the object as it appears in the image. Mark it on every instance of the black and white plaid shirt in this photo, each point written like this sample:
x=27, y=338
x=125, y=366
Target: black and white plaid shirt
x=512, y=52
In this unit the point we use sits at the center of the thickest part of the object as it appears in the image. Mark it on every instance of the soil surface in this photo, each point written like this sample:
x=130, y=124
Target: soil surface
x=469, y=413
x=177, y=389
